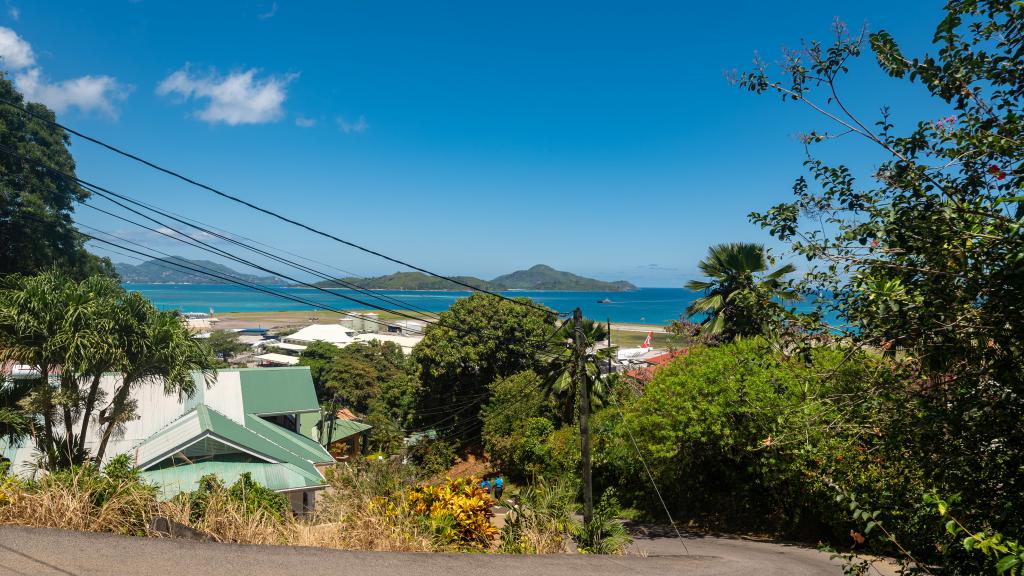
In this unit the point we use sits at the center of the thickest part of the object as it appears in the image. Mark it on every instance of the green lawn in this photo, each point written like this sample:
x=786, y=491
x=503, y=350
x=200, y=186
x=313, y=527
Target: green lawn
x=629, y=339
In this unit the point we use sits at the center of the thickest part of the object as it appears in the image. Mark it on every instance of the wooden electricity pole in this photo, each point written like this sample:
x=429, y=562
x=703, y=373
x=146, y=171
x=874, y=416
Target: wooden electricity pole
x=609, y=347
x=583, y=385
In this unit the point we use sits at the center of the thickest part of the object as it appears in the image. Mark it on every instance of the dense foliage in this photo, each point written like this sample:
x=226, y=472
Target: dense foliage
x=374, y=379
x=478, y=340
x=253, y=498
x=37, y=196
x=517, y=422
x=225, y=345
x=458, y=511
x=924, y=255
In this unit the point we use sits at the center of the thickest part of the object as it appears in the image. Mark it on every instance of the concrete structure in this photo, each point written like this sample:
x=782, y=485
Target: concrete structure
x=362, y=322
x=340, y=335
x=407, y=327
x=274, y=359
x=246, y=420
x=332, y=333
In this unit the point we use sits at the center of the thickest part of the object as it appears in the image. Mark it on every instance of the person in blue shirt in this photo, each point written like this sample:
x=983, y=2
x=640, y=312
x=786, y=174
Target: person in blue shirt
x=499, y=486
x=486, y=486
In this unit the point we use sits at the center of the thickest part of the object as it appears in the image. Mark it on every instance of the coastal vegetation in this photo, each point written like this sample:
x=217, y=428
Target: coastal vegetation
x=374, y=379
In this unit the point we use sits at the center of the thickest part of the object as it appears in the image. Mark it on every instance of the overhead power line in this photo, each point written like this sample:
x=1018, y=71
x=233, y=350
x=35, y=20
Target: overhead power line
x=258, y=208
x=102, y=192
x=179, y=235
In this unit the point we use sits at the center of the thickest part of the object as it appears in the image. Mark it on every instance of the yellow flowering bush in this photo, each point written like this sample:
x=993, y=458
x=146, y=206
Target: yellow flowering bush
x=459, y=511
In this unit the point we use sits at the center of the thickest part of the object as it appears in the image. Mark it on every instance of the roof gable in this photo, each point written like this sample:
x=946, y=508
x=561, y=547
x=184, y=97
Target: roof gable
x=204, y=422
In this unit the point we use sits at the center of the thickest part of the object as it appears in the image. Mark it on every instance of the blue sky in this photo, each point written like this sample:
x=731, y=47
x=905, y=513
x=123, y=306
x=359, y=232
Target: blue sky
x=467, y=137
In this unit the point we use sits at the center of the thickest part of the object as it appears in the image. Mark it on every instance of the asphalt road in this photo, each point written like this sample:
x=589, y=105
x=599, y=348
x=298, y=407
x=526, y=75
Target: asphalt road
x=45, y=552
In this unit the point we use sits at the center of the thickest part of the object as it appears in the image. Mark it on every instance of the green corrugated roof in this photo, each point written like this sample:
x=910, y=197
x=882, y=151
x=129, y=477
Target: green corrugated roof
x=345, y=428
x=160, y=445
x=297, y=444
x=283, y=390
x=174, y=480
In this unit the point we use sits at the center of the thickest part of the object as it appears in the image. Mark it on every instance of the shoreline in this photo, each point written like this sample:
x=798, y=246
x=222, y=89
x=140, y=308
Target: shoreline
x=291, y=318
x=341, y=288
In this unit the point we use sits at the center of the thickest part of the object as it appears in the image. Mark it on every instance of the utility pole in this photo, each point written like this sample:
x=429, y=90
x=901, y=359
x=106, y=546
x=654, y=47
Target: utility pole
x=583, y=385
x=609, y=347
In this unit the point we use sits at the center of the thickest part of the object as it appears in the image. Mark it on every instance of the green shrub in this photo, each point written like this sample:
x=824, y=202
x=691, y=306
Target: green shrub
x=433, y=457
x=540, y=517
x=740, y=437
x=605, y=533
x=253, y=498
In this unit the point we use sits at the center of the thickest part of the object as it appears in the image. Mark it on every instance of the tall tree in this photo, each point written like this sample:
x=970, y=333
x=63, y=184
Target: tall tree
x=36, y=231
x=167, y=355
x=924, y=253
x=740, y=298
x=478, y=340
x=56, y=325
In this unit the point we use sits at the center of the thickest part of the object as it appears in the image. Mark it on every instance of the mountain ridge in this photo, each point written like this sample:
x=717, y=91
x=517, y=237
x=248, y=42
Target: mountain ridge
x=537, y=277
x=163, y=271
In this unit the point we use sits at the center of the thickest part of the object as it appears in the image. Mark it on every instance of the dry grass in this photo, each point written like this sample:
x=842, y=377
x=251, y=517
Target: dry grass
x=78, y=500
x=364, y=509
x=358, y=512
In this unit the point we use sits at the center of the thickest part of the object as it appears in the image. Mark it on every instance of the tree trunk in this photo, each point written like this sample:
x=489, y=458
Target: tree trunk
x=90, y=401
x=116, y=409
x=47, y=440
x=66, y=381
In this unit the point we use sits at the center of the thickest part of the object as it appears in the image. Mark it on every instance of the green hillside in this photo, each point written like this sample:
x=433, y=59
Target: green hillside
x=161, y=271
x=539, y=277
x=411, y=281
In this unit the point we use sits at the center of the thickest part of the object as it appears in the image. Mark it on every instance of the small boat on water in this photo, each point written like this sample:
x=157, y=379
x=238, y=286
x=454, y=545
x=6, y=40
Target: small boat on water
x=604, y=301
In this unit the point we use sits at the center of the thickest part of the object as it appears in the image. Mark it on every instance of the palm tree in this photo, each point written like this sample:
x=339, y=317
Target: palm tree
x=166, y=353
x=560, y=372
x=740, y=299
x=32, y=322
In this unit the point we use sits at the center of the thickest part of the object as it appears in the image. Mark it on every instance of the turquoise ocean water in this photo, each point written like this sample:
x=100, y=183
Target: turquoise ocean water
x=654, y=305
x=645, y=305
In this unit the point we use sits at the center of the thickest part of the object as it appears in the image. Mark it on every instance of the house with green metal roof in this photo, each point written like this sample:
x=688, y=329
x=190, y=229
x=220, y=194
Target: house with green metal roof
x=247, y=420
x=260, y=434
x=343, y=436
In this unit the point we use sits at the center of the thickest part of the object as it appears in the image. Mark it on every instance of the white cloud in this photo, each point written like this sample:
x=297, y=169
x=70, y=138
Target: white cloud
x=15, y=53
x=269, y=14
x=87, y=93
x=303, y=122
x=238, y=98
x=13, y=12
x=357, y=127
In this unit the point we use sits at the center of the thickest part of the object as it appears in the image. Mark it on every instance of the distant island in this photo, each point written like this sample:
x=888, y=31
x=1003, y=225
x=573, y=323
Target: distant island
x=539, y=277
x=164, y=271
